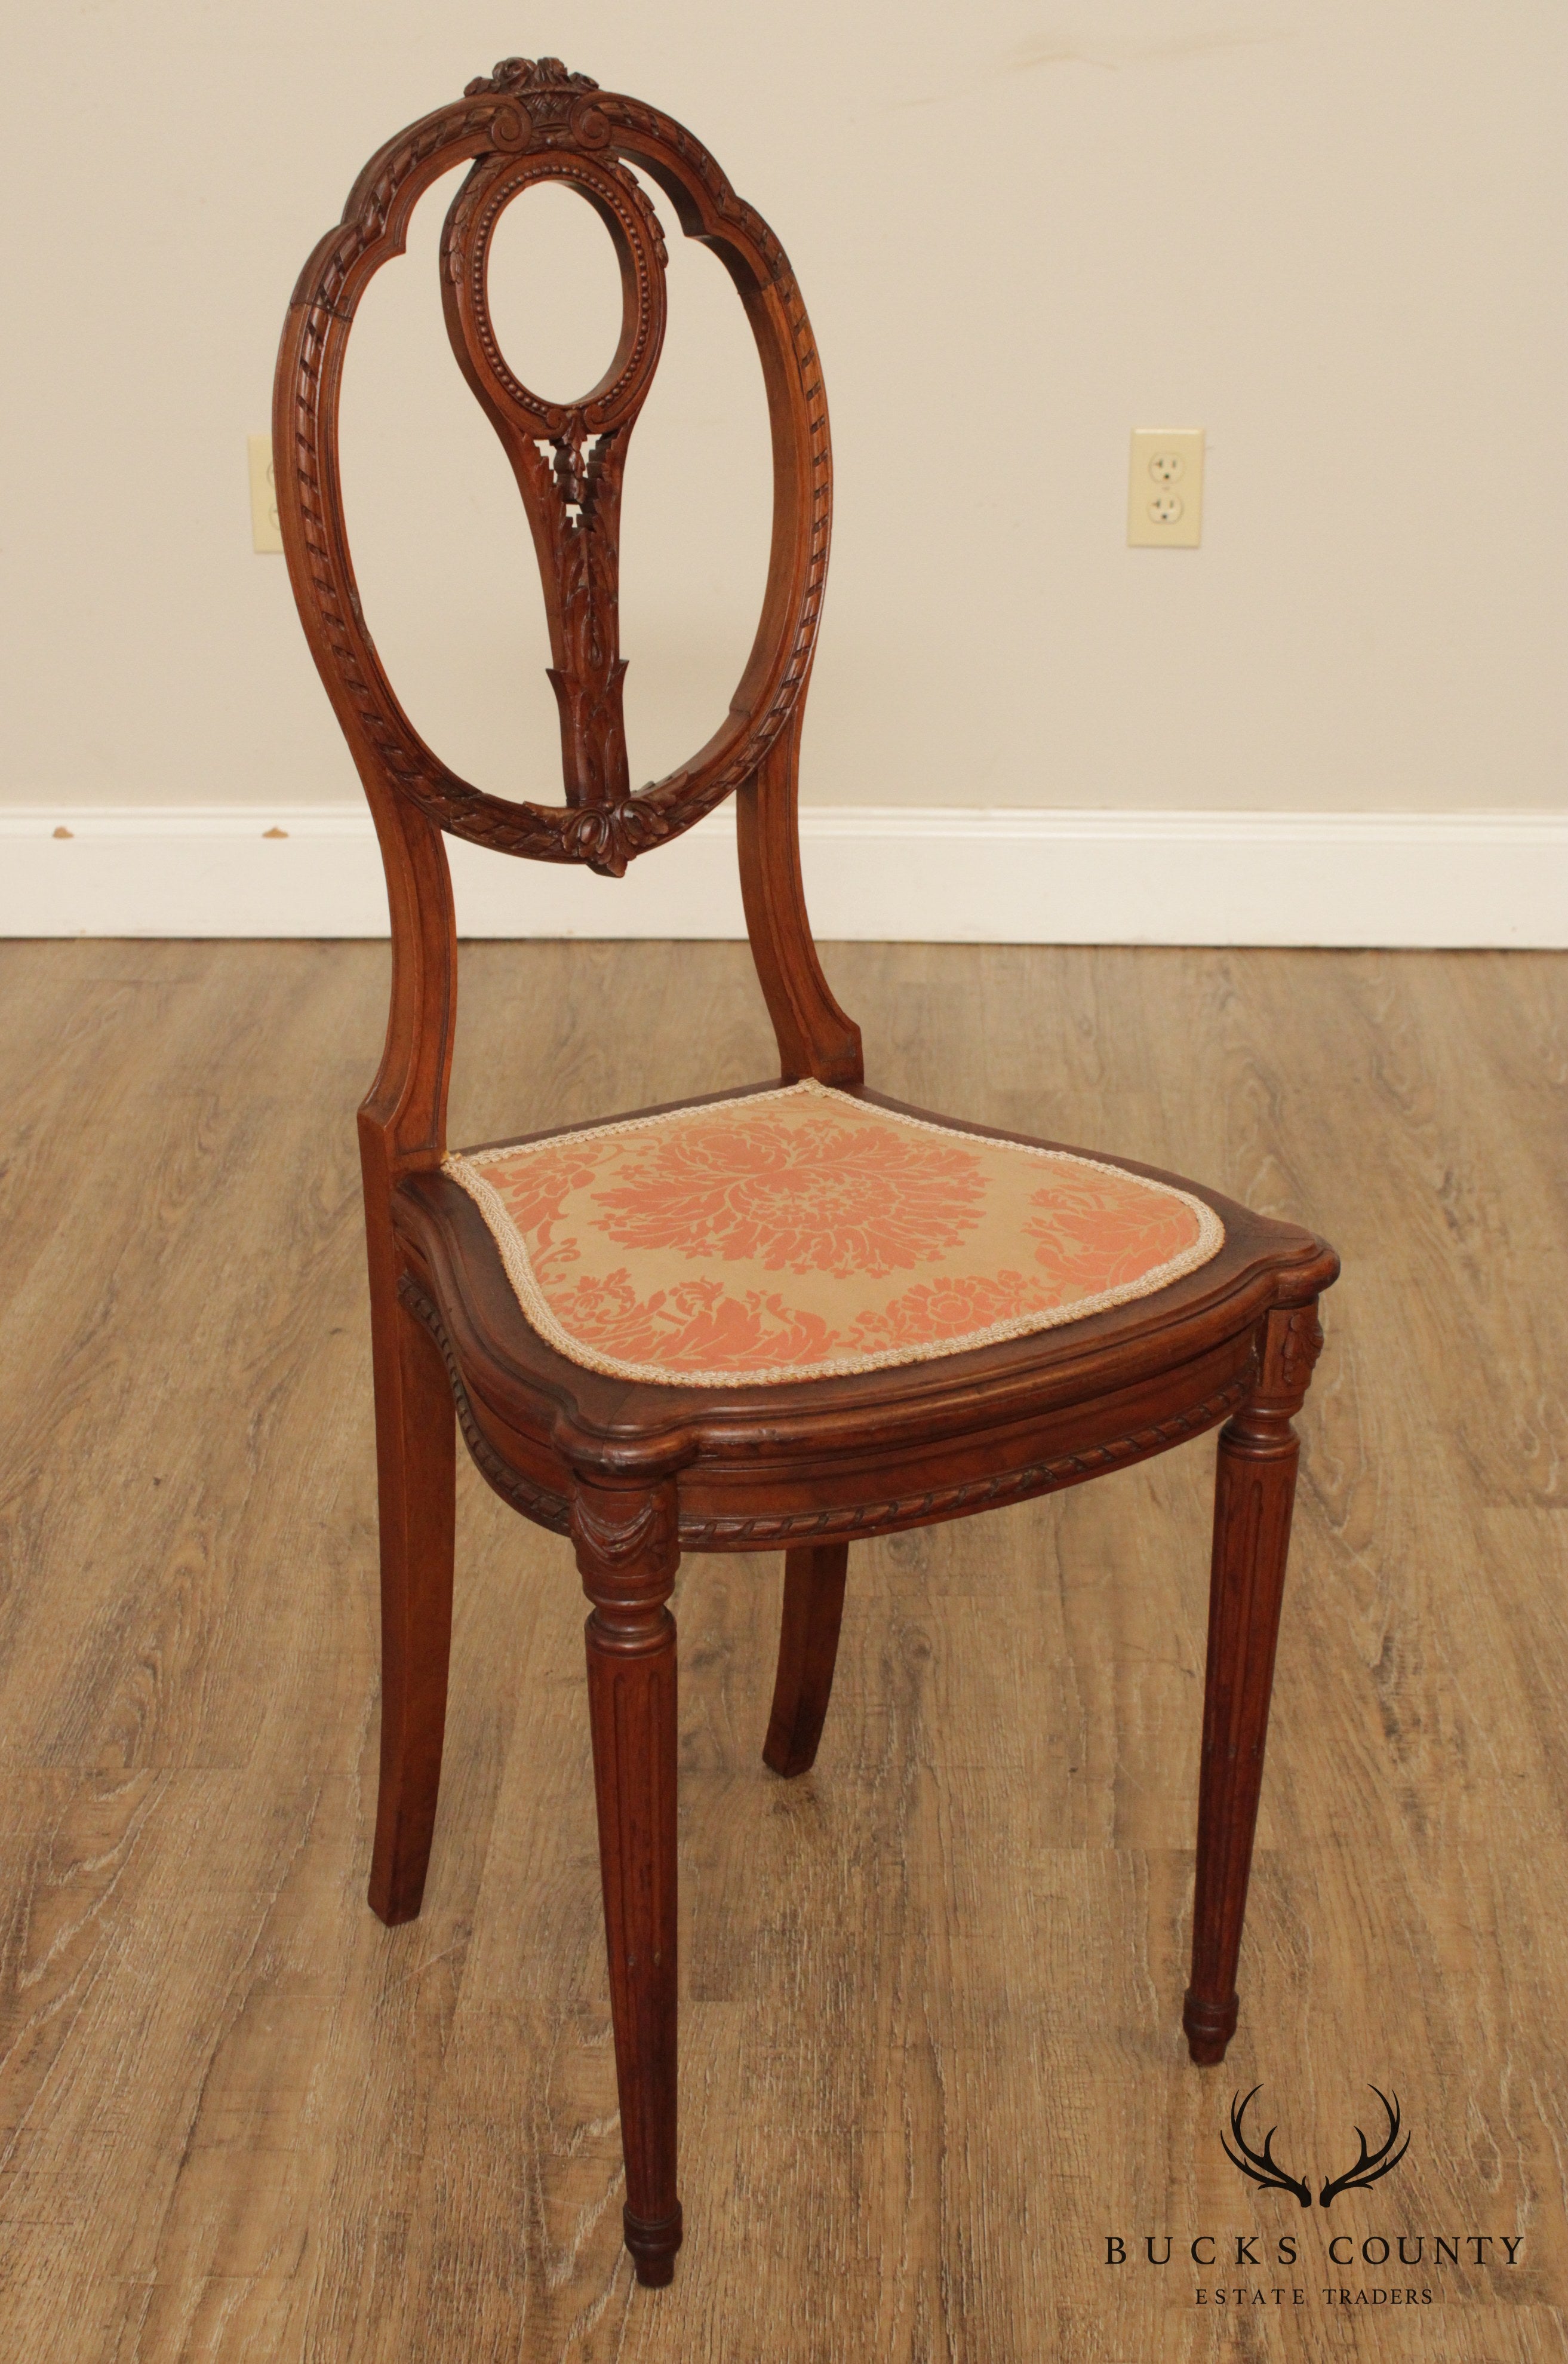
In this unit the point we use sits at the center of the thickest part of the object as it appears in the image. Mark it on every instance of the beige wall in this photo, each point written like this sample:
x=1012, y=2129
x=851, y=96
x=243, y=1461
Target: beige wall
x=1330, y=231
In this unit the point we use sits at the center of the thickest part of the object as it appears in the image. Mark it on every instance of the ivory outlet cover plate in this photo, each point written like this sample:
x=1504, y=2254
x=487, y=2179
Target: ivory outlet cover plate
x=265, y=532
x=1164, y=488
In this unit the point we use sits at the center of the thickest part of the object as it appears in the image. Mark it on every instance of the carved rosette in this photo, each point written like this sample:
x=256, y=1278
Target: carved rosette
x=536, y=117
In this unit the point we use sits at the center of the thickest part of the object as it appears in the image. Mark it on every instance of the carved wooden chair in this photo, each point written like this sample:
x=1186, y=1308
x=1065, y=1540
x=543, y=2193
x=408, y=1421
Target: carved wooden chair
x=790, y=1317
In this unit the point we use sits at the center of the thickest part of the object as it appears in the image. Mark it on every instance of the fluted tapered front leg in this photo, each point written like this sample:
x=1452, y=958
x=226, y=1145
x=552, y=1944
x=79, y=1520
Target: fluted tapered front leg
x=628, y=1553
x=1254, y=1491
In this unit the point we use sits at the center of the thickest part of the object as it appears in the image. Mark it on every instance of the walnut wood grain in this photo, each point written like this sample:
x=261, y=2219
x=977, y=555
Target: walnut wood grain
x=642, y=1472
x=815, y=1038
x=1254, y=1489
x=808, y=1651
x=416, y=1482
x=628, y=1555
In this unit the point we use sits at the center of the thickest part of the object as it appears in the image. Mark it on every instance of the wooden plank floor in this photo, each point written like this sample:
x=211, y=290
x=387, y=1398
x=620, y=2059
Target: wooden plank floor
x=931, y=1993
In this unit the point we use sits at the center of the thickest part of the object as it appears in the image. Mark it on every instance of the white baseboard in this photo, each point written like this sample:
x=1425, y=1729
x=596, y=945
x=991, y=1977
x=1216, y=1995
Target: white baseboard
x=873, y=872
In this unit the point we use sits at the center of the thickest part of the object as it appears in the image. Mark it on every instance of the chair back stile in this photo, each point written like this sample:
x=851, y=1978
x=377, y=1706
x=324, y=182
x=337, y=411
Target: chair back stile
x=531, y=122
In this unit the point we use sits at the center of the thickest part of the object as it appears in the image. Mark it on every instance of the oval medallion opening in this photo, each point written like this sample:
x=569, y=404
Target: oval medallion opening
x=555, y=293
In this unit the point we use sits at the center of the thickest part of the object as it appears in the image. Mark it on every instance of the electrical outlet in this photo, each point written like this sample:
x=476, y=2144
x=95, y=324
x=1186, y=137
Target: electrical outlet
x=266, y=534
x=1164, y=488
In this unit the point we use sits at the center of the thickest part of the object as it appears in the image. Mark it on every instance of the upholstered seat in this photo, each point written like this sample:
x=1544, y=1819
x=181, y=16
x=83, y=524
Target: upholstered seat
x=805, y=1233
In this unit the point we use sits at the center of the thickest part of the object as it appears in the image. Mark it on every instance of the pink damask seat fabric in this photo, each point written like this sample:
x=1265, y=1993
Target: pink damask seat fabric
x=801, y=1233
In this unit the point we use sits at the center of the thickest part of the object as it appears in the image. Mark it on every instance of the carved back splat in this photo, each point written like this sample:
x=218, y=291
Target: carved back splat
x=568, y=457
x=528, y=122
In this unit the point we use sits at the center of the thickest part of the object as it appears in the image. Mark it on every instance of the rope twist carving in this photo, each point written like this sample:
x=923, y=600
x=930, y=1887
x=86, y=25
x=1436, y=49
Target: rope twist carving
x=523, y=107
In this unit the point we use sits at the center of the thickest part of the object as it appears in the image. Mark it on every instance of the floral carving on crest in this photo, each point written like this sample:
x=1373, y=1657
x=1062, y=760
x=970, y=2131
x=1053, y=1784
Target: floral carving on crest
x=515, y=75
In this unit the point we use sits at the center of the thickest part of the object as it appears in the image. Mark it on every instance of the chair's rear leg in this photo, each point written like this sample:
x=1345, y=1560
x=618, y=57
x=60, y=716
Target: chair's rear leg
x=808, y=1647
x=416, y=1458
x=1254, y=1491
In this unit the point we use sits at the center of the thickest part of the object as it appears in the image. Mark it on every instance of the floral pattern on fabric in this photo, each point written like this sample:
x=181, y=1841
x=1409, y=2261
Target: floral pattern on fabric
x=693, y=1326
x=839, y=1196
x=1080, y=1232
x=801, y=1233
x=955, y=1307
